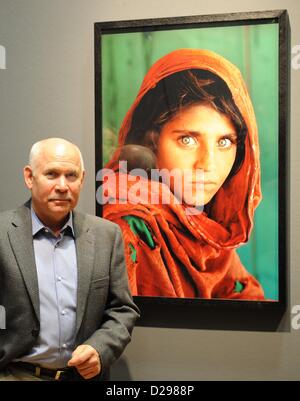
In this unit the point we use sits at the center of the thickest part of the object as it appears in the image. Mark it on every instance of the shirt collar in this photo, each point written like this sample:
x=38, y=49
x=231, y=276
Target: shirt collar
x=37, y=225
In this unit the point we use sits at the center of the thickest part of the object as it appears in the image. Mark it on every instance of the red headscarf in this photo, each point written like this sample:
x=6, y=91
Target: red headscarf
x=194, y=255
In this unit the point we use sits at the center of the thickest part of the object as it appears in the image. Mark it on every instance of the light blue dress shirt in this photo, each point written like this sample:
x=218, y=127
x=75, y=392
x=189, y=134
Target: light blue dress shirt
x=56, y=264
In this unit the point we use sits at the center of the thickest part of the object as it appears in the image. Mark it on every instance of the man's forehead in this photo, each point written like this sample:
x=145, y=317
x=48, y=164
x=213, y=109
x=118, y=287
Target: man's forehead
x=60, y=154
x=61, y=164
x=59, y=149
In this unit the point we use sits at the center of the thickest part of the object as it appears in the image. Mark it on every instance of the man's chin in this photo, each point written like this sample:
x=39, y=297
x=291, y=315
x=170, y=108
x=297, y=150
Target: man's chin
x=60, y=201
x=60, y=207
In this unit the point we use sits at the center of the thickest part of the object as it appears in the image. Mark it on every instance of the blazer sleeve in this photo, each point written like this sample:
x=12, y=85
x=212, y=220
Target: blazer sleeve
x=120, y=312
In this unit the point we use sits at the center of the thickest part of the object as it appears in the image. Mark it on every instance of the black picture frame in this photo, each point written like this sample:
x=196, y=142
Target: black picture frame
x=201, y=313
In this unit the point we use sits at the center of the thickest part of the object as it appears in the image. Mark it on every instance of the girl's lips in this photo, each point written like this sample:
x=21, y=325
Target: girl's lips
x=203, y=183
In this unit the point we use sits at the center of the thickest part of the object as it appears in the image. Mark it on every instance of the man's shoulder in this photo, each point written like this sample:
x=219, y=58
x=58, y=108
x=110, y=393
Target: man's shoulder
x=8, y=218
x=10, y=214
x=7, y=215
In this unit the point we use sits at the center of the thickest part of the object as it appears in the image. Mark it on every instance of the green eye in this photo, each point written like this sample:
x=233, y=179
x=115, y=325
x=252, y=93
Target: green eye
x=225, y=143
x=188, y=141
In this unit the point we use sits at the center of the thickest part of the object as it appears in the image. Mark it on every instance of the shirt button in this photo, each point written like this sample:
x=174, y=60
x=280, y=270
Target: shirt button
x=64, y=345
x=63, y=312
x=59, y=278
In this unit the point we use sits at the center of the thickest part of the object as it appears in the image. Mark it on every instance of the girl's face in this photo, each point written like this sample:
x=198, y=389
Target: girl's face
x=201, y=144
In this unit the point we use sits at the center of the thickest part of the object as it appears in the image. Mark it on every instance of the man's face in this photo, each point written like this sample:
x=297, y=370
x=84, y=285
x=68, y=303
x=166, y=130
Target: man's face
x=55, y=181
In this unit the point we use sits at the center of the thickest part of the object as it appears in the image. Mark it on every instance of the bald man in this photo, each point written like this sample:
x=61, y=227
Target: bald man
x=63, y=281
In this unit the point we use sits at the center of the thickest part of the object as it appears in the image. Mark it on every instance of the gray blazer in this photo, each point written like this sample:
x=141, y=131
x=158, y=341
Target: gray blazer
x=105, y=310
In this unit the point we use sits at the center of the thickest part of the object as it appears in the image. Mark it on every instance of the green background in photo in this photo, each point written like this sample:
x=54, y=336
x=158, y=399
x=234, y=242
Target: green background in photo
x=254, y=50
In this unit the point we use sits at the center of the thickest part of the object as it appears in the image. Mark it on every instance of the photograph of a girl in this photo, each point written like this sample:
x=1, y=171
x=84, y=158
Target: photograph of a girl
x=192, y=112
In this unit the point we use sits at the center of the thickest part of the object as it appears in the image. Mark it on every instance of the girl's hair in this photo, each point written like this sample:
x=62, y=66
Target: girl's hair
x=177, y=91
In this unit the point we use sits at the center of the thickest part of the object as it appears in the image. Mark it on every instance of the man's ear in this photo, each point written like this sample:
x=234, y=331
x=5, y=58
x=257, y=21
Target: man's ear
x=151, y=140
x=28, y=176
x=82, y=178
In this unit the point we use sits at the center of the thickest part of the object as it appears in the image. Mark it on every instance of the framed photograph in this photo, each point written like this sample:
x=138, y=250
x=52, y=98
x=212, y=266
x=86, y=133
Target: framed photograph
x=192, y=118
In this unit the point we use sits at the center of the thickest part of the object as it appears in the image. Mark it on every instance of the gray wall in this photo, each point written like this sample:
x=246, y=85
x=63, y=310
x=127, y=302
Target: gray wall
x=47, y=90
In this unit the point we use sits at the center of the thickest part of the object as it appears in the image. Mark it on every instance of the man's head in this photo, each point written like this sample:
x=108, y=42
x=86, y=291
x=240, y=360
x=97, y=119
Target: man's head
x=54, y=176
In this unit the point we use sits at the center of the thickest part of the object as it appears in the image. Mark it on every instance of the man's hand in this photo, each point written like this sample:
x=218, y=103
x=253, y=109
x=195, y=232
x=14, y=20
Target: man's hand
x=86, y=360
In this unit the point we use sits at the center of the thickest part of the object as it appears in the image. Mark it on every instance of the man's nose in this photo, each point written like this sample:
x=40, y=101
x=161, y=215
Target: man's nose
x=206, y=158
x=61, y=184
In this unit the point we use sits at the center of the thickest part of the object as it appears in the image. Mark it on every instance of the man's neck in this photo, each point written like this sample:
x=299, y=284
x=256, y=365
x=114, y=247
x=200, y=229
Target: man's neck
x=54, y=225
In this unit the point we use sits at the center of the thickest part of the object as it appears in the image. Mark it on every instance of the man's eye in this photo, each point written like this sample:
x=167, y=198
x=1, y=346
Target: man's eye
x=188, y=140
x=72, y=176
x=50, y=174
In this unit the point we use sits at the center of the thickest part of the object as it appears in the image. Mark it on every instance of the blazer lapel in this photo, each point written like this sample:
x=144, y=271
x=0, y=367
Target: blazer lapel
x=85, y=259
x=20, y=237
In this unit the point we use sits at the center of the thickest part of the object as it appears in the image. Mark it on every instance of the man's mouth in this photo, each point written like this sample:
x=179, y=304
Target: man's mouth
x=60, y=200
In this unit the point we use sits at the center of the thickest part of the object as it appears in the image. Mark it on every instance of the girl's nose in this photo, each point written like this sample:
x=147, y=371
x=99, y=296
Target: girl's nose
x=206, y=158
